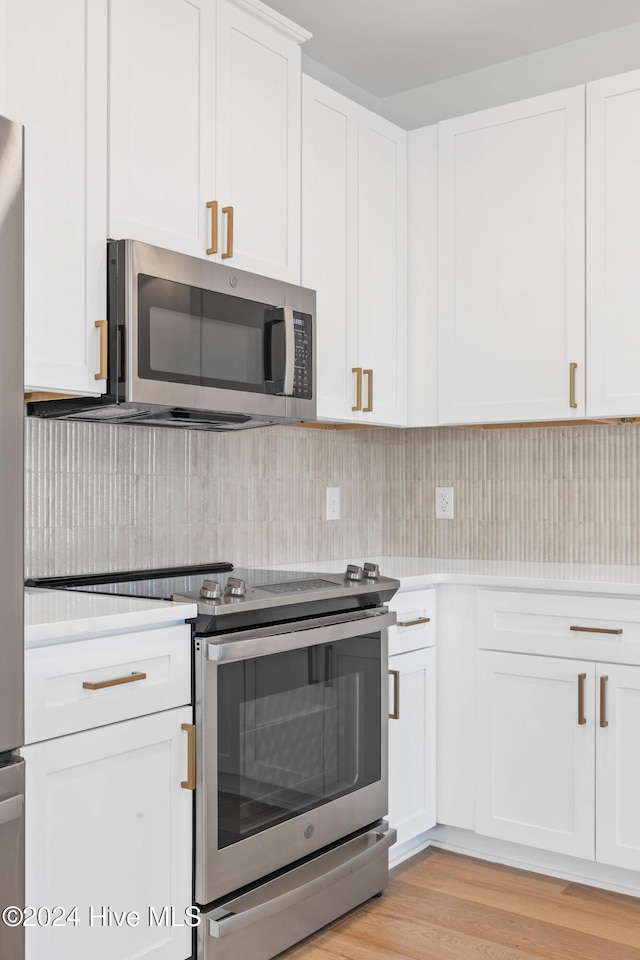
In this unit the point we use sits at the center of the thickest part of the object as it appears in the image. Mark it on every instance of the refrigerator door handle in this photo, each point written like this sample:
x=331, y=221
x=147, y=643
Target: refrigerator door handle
x=11, y=809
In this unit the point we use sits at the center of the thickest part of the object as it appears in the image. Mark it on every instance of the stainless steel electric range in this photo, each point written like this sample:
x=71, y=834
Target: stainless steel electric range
x=291, y=707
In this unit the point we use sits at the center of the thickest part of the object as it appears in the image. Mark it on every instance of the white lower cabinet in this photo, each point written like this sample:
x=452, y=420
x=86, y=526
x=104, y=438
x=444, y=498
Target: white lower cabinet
x=412, y=714
x=108, y=832
x=412, y=742
x=557, y=755
x=534, y=780
x=618, y=772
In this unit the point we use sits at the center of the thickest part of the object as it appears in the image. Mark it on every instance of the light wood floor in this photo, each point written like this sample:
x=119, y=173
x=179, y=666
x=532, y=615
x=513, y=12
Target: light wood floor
x=443, y=906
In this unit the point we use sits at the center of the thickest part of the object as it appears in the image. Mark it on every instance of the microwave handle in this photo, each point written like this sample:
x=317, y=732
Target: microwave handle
x=289, y=351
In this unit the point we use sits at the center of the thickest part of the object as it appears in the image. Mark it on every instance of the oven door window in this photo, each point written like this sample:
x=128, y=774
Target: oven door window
x=296, y=730
x=194, y=336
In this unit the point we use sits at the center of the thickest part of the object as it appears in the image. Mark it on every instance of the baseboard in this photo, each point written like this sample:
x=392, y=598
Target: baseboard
x=400, y=852
x=516, y=855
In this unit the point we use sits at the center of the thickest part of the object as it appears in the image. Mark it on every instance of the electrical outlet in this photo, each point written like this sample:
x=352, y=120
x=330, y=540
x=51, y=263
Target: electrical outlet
x=444, y=503
x=333, y=503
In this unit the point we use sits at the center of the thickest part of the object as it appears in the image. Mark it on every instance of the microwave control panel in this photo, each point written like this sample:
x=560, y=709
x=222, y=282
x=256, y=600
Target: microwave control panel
x=302, y=377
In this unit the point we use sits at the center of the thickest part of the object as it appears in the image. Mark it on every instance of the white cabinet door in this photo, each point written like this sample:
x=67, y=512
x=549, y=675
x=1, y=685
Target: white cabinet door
x=354, y=255
x=162, y=122
x=382, y=272
x=55, y=71
x=511, y=263
x=412, y=742
x=535, y=761
x=258, y=139
x=613, y=246
x=330, y=241
x=422, y=277
x=109, y=826
x=618, y=773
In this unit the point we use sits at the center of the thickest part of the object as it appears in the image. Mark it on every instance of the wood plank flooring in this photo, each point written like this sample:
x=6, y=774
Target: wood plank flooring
x=443, y=906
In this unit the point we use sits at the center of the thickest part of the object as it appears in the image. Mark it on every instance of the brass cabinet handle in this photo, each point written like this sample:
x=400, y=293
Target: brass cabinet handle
x=104, y=349
x=413, y=623
x=396, y=694
x=116, y=682
x=581, y=717
x=369, y=406
x=358, y=373
x=213, y=206
x=603, y=702
x=229, y=251
x=190, y=782
x=616, y=631
x=572, y=385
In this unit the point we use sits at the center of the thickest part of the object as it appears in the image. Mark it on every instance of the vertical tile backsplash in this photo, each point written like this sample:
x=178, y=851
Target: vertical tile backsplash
x=541, y=494
x=101, y=497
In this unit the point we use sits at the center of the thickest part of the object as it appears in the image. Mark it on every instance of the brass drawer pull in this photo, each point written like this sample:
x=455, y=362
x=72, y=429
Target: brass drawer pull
x=581, y=717
x=104, y=349
x=369, y=406
x=190, y=782
x=615, y=631
x=396, y=694
x=101, y=684
x=213, y=206
x=229, y=251
x=572, y=385
x=358, y=373
x=603, y=702
x=413, y=623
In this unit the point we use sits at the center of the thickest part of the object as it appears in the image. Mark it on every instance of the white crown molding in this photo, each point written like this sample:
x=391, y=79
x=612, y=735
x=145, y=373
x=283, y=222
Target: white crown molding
x=274, y=19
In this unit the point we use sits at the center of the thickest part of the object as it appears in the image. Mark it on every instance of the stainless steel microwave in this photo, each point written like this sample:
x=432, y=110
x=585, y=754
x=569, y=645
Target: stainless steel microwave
x=199, y=345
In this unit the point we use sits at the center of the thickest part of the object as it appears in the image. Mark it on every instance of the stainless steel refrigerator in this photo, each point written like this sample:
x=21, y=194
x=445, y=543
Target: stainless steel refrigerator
x=11, y=536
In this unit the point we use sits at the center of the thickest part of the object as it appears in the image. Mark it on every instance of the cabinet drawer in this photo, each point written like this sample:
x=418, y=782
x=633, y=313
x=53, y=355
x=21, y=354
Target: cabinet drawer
x=70, y=686
x=560, y=625
x=416, y=626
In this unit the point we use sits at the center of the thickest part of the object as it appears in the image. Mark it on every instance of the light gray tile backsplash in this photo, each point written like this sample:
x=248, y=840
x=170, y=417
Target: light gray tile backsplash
x=101, y=497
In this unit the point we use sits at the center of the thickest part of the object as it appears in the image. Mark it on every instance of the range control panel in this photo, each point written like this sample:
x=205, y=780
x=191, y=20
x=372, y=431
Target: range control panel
x=303, y=372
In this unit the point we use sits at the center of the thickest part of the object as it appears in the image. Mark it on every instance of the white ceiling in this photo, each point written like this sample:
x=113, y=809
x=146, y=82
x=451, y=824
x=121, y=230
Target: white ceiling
x=389, y=46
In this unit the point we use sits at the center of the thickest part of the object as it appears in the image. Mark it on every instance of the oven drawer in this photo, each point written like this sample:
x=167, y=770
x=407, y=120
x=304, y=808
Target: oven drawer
x=281, y=912
x=577, y=626
x=89, y=683
x=416, y=624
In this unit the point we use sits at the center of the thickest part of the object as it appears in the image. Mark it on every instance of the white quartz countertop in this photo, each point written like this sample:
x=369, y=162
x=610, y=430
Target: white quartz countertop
x=60, y=616
x=414, y=572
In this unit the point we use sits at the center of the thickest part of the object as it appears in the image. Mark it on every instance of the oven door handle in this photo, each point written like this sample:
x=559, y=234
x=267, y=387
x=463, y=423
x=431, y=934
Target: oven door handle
x=235, y=648
x=224, y=921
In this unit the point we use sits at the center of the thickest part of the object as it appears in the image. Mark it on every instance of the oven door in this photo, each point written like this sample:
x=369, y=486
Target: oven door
x=291, y=734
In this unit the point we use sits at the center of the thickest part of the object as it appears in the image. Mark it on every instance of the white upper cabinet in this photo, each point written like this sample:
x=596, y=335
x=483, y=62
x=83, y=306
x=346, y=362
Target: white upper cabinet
x=382, y=270
x=330, y=240
x=258, y=139
x=613, y=246
x=54, y=58
x=205, y=131
x=422, y=277
x=162, y=121
x=354, y=172
x=511, y=262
